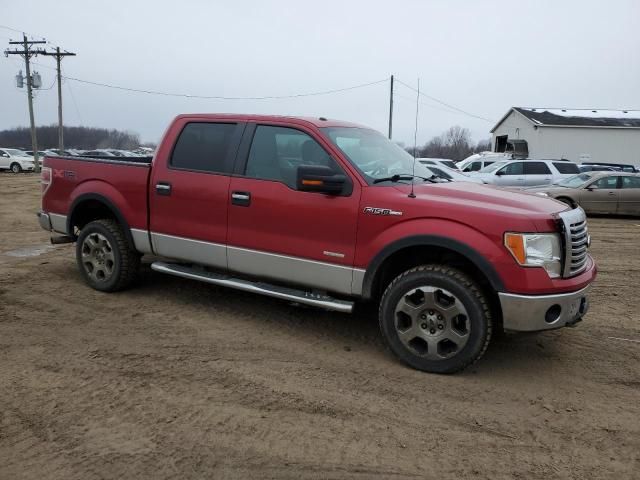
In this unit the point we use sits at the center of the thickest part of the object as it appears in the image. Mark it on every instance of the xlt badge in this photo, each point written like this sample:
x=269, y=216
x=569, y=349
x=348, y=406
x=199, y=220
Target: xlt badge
x=381, y=211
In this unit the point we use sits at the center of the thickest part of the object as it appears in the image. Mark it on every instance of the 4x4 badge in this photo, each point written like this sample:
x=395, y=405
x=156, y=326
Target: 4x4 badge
x=381, y=211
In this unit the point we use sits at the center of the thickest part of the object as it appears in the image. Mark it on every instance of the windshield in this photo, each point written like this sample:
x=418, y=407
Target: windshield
x=494, y=166
x=448, y=163
x=373, y=154
x=15, y=152
x=576, y=180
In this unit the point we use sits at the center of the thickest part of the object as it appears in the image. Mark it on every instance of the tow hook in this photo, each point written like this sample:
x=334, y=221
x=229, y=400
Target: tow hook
x=574, y=323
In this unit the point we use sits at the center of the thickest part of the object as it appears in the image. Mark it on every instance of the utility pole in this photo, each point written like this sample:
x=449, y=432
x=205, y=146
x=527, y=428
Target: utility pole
x=59, y=55
x=391, y=109
x=27, y=53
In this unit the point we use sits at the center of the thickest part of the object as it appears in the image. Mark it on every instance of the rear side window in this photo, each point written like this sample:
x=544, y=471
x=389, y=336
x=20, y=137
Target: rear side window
x=630, y=182
x=536, y=168
x=566, y=167
x=204, y=147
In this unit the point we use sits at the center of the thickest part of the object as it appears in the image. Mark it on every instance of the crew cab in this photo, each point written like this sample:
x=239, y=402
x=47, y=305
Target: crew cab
x=327, y=213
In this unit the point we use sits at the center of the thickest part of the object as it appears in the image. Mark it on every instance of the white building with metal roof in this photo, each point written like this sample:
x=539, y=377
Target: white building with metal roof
x=579, y=135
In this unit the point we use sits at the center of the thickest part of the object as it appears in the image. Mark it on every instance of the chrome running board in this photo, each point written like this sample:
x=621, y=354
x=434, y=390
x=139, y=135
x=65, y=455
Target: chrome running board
x=284, y=293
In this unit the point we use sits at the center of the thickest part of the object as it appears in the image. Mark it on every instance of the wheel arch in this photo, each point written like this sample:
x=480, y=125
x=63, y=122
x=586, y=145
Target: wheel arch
x=92, y=206
x=409, y=252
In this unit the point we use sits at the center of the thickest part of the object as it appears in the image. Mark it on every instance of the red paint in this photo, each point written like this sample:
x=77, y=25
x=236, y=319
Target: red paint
x=301, y=224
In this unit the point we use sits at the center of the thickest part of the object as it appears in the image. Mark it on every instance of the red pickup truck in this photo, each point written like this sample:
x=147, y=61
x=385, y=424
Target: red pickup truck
x=326, y=213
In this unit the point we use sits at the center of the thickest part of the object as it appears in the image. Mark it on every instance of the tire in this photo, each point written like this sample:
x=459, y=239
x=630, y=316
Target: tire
x=104, y=256
x=15, y=167
x=436, y=319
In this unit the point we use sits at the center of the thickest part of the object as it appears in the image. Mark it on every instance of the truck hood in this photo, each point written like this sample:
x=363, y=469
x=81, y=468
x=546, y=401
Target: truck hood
x=473, y=195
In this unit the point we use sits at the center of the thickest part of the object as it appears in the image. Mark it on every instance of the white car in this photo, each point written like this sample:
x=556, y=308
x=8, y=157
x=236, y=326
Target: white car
x=478, y=161
x=443, y=162
x=15, y=160
x=450, y=174
x=526, y=173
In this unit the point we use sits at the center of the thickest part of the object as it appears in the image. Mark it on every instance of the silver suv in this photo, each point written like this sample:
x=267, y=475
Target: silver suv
x=526, y=173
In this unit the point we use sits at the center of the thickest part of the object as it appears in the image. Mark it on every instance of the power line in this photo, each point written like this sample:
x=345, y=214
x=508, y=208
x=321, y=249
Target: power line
x=220, y=97
x=444, y=103
x=435, y=107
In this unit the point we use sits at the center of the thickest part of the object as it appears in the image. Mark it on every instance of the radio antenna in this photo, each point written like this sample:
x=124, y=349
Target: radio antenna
x=415, y=142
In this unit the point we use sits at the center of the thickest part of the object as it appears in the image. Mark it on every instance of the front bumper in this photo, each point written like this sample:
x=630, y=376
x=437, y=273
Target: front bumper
x=531, y=313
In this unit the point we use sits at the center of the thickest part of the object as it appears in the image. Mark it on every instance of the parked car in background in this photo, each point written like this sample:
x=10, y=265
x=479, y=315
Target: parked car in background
x=15, y=160
x=97, y=153
x=444, y=162
x=450, y=174
x=478, y=161
x=526, y=173
x=625, y=167
x=598, y=168
x=615, y=193
x=41, y=153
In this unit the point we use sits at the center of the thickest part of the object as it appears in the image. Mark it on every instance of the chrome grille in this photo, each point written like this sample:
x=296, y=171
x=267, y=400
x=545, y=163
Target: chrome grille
x=576, y=241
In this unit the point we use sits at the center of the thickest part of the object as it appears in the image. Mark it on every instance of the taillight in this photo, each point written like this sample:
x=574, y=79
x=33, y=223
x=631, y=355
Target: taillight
x=45, y=178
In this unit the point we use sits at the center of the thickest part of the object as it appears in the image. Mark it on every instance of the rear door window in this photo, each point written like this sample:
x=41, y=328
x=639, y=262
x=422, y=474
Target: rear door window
x=205, y=147
x=536, y=168
x=630, y=182
x=566, y=167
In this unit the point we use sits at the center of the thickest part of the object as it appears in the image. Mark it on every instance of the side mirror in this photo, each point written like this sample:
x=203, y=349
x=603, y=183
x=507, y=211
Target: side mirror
x=499, y=173
x=591, y=188
x=322, y=179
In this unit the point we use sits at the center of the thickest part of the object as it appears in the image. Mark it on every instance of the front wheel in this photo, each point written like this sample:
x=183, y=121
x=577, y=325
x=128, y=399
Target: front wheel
x=436, y=319
x=15, y=167
x=104, y=256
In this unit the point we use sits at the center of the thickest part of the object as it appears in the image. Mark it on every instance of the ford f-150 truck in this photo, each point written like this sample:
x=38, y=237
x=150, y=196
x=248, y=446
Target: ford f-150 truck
x=327, y=213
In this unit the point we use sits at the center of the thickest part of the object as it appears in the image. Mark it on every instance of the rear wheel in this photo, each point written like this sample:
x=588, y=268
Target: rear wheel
x=436, y=319
x=15, y=167
x=104, y=257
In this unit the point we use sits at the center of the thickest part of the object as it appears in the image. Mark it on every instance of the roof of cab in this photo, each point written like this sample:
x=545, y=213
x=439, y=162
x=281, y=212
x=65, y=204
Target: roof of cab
x=315, y=121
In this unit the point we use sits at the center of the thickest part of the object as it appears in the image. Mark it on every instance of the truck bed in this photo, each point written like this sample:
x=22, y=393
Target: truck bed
x=120, y=180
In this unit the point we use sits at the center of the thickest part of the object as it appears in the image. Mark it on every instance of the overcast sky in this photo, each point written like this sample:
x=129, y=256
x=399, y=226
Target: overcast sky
x=480, y=56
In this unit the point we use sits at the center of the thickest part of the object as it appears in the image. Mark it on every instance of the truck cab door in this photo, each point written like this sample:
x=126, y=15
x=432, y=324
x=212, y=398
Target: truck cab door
x=189, y=191
x=283, y=234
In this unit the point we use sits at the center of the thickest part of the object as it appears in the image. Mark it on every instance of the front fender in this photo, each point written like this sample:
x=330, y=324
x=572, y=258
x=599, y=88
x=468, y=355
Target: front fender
x=484, y=252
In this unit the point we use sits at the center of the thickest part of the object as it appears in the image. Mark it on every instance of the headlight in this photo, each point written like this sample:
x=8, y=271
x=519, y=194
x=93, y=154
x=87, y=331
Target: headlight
x=536, y=250
x=542, y=194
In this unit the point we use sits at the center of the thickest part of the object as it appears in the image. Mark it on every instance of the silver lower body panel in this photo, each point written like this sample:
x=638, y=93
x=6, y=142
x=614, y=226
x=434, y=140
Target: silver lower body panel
x=531, y=313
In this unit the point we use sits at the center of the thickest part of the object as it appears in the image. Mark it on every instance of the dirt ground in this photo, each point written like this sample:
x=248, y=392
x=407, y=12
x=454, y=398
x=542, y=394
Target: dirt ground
x=178, y=379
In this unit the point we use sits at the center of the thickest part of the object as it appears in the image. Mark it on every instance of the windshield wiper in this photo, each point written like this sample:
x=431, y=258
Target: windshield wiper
x=435, y=175
x=398, y=177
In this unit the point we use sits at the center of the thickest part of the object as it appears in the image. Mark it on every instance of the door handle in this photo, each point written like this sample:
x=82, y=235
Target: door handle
x=242, y=199
x=163, y=188
x=611, y=193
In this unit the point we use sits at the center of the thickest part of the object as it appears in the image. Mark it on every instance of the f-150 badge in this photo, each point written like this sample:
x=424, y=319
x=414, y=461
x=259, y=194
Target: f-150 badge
x=381, y=211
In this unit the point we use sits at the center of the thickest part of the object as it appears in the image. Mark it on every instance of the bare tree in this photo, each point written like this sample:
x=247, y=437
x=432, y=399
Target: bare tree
x=455, y=143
